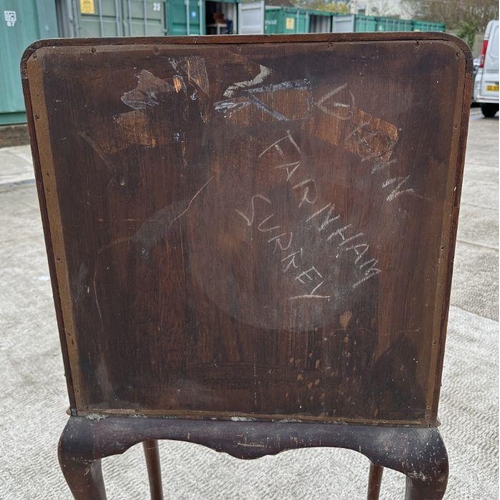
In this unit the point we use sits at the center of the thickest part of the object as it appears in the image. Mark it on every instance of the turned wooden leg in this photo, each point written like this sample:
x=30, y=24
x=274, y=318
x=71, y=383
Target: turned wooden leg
x=81, y=470
x=374, y=481
x=152, y=453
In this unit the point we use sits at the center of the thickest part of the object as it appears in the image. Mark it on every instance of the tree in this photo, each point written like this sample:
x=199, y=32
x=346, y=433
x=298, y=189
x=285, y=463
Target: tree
x=324, y=5
x=466, y=17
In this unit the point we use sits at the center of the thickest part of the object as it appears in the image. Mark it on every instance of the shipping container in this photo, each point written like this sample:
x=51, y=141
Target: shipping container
x=22, y=22
x=362, y=24
x=428, y=26
x=101, y=18
x=221, y=17
x=185, y=17
x=286, y=20
x=343, y=23
x=365, y=24
x=320, y=22
x=393, y=24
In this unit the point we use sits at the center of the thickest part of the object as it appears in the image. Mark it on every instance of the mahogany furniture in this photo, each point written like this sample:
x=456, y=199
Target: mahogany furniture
x=251, y=242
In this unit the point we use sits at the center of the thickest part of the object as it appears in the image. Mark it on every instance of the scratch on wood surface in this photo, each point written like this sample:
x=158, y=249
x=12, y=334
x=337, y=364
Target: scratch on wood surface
x=95, y=294
x=191, y=201
x=98, y=150
x=146, y=94
x=252, y=445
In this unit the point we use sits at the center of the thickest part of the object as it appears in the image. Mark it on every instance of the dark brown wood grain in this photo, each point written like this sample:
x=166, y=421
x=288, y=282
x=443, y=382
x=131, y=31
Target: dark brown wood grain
x=250, y=226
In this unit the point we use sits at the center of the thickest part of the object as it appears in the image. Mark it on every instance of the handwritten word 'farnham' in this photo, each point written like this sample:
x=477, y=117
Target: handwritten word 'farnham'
x=342, y=236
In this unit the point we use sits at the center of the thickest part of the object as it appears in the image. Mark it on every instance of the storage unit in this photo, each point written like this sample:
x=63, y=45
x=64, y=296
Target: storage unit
x=286, y=20
x=320, y=22
x=221, y=17
x=428, y=26
x=251, y=17
x=101, y=18
x=362, y=24
x=365, y=24
x=185, y=17
x=393, y=24
x=343, y=23
x=22, y=22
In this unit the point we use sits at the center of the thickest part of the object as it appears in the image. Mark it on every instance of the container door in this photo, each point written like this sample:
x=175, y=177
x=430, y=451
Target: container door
x=343, y=24
x=21, y=23
x=251, y=18
x=271, y=21
x=98, y=18
x=303, y=22
x=185, y=17
x=102, y=18
x=144, y=17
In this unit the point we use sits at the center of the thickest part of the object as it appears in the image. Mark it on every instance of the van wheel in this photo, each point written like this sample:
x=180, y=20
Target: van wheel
x=489, y=110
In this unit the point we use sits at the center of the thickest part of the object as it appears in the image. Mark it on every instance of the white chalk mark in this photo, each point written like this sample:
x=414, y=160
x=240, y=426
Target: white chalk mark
x=396, y=191
x=276, y=87
x=350, y=239
x=263, y=74
x=267, y=230
x=275, y=144
x=359, y=255
x=289, y=174
x=292, y=260
x=368, y=262
x=332, y=93
x=305, y=198
x=252, y=203
x=277, y=242
x=328, y=219
x=306, y=274
x=267, y=109
x=378, y=166
x=339, y=232
x=373, y=271
x=338, y=105
x=318, y=212
x=192, y=200
x=228, y=108
x=310, y=296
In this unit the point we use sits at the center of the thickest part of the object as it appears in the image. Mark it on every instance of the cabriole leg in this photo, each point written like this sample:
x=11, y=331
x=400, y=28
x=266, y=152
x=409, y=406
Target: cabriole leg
x=82, y=471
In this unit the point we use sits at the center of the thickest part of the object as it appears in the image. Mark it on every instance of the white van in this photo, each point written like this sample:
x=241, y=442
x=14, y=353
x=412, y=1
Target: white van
x=486, y=83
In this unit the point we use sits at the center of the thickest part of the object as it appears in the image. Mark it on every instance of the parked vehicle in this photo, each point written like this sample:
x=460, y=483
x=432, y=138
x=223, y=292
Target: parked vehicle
x=486, y=82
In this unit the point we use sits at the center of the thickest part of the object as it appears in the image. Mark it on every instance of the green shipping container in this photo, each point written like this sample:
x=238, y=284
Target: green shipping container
x=320, y=21
x=22, y=22
x=98, y=18
x=428, y=26
x=285, y=20
x=185, y=17
x=365, y=24
x=393, y=24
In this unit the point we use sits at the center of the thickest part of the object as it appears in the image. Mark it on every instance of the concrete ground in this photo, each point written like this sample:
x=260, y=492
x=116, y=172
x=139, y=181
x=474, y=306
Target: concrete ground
x=32, y=413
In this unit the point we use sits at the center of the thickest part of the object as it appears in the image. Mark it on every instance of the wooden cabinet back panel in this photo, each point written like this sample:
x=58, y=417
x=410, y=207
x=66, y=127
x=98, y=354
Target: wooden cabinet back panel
x=253, y=229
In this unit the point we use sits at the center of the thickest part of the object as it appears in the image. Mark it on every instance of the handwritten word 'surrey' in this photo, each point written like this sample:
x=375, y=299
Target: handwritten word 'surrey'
x=291, y=258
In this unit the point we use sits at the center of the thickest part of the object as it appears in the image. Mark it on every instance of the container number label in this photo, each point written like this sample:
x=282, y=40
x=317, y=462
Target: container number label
x=157, y=6
x=10, y=17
